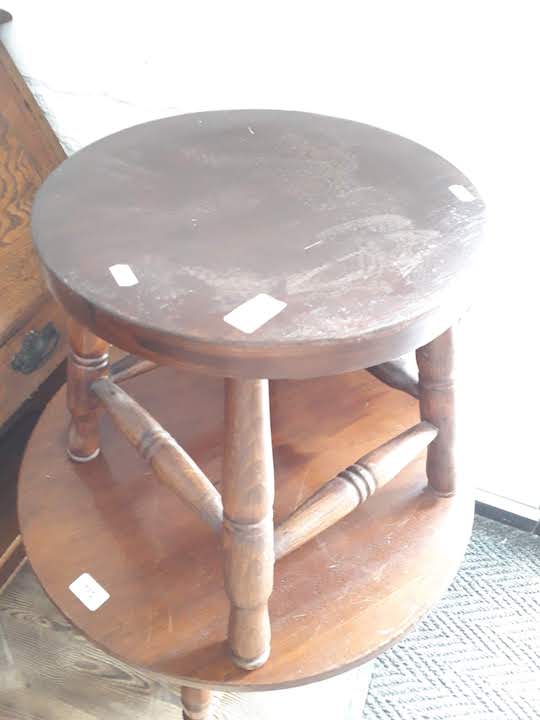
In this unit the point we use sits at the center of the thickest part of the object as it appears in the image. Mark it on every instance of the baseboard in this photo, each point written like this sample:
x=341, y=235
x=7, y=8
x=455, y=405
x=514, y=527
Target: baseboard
x=509, y=512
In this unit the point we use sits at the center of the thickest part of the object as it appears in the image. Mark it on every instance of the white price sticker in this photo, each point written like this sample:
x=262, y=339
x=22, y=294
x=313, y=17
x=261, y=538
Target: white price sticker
x=254, y=313
x=461, y=193
x=89, y=591
x=124, y=275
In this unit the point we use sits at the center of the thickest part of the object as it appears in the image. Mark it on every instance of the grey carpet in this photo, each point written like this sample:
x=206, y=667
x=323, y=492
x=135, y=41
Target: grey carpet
x=477, y=655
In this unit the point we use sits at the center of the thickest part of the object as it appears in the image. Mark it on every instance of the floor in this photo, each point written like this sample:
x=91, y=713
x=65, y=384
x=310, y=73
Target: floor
x=475, y=657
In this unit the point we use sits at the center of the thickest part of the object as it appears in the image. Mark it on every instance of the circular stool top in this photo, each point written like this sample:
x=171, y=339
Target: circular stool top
x=260, y=243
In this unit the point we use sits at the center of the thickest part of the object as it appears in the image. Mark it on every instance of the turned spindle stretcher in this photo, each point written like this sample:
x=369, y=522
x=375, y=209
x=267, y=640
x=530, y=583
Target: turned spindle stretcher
x=335, y=499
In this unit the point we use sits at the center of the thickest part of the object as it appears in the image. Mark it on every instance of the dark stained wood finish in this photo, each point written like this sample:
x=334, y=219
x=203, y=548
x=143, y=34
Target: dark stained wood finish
x=337, y=601
x=396, y=374
x=53, y=673
x=88, y=360
x=12, y=445
x=29, y=151
x=353, y=486
x=49, y=672
x=196, y=703
x=130, y=366
x=173, y=466
x=353, y=227
x=17, y=388
x=13, y=441
x=248, y=527
x=437, y=405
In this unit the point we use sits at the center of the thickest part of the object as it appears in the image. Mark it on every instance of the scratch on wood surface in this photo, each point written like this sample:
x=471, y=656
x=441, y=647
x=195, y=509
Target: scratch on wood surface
x=384, y=223
x=322, y=545
x=150, y=627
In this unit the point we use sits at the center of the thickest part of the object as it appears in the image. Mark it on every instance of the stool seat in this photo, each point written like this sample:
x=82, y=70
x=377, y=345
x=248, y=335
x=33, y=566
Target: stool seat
x=337, y=601
x=349, y=244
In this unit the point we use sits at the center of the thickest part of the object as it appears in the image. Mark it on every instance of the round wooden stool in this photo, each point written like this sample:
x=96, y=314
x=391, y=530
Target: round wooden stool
x=251, y=246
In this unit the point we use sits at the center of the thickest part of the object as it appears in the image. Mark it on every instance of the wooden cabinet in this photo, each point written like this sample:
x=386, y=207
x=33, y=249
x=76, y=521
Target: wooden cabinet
x=32, y=334
x=32, y=326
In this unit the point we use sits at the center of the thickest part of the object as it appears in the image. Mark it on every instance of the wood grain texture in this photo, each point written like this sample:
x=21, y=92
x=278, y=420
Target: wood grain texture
x=437, y=405
x=248, y=525
x=353, y=486
x=354, y=228
x=337, y=601
x=172, y=465
x=11, y=560
x=88, y=360
x=21, y=282
x=28, y=152
x=50, y=672
x=26, y=116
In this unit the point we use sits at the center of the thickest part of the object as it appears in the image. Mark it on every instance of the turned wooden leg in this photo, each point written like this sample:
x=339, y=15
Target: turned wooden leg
x=196, y=703
x=248, y=528
x=436, y=383
x=88, y=360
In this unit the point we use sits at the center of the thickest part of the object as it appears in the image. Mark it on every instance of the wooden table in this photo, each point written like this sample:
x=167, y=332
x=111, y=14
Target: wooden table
x=284, y=252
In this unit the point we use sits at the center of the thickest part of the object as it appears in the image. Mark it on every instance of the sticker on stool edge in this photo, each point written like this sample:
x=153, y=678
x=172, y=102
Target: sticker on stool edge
x=461, y=193
x=254, y=313
x=89, y=591
x=124, y=275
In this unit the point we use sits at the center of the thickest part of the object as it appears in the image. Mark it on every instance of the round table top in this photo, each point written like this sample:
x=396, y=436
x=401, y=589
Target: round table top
x=338, y=601
x=260, y=242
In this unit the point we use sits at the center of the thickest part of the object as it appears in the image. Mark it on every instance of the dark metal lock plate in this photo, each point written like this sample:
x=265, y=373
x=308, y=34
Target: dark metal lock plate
x=37, y=347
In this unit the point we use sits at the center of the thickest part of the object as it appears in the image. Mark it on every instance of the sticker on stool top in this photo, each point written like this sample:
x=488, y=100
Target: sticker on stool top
x=461, y=193
x=124, y=275
x=254, y=313
x=89, y=591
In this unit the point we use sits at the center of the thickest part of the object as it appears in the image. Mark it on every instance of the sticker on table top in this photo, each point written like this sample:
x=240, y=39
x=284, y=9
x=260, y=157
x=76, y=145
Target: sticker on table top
x=254, y=313
x=461, y=193
x=89, y=591
x=124, y=275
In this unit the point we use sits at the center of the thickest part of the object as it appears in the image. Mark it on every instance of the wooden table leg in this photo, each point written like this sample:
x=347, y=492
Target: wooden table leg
x=196, y=703
x=248, y=528
x=88, y=360
x=437, y=406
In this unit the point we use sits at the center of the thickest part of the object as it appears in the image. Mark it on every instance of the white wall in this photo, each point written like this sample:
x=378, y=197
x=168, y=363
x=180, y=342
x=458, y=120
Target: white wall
x=457, y=76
